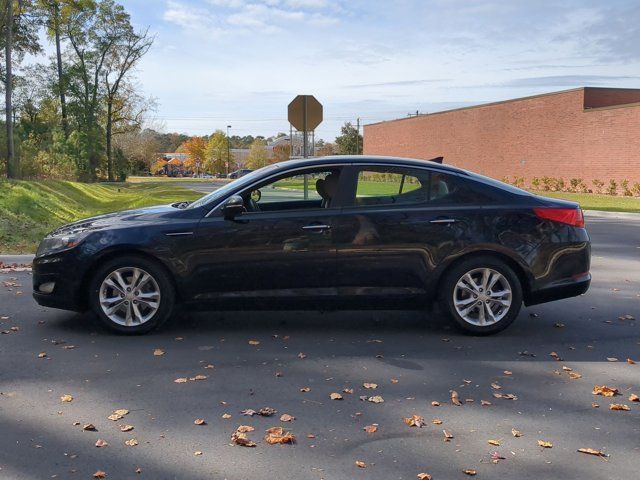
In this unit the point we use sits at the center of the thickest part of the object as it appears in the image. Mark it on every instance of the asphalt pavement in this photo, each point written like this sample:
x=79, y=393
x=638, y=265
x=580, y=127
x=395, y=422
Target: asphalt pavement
x=233, y=361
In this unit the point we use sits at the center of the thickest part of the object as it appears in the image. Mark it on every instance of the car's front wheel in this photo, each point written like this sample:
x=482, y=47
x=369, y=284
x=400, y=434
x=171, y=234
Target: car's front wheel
x=482, y=295
x=131, y=295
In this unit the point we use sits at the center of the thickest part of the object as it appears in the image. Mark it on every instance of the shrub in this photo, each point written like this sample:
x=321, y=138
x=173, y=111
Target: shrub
x=626, y=191
x=636, y=188
x=612, y=189
x=535, y=183
x=598, y=184
x=576, y=184
x=518, y=181
x=560, y=186
x=546, y=183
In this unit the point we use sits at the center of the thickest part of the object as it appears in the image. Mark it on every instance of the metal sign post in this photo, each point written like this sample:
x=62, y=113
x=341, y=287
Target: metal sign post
x=305, y=114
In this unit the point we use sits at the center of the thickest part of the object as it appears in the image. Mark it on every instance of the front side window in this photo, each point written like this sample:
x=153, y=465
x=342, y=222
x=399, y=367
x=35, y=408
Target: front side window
x=297, y=191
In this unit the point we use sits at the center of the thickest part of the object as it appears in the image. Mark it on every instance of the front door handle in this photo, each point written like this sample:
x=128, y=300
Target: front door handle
x=317, y=227
x=444, y=221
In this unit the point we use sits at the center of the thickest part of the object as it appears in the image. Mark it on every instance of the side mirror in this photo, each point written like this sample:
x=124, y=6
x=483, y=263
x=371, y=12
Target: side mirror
x=233, y=207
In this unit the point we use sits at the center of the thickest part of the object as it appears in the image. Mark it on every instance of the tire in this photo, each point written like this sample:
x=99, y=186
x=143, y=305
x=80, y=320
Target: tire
x=137, y=310
x=499, y=308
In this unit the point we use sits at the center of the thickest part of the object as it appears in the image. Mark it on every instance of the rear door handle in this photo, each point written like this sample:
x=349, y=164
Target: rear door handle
x=444, y=221
x=317, y=227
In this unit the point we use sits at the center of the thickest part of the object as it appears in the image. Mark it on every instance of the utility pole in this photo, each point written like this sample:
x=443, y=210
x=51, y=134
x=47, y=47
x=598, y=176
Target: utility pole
x=228, y=152
x=11, y=167
x=358, y=136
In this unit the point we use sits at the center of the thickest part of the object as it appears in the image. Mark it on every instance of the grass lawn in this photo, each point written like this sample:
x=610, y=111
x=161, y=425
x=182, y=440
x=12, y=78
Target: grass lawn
x=592, y=201
x=29, y=210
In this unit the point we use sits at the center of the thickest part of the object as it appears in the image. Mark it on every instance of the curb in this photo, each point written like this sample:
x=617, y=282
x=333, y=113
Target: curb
x=16, y=259
x=604, y=214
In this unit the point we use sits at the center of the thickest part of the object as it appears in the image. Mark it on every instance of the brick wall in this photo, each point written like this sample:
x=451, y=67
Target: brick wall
x=546, y=135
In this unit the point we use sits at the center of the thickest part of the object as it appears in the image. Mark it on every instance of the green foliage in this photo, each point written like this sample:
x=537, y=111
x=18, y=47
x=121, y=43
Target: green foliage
x=598, y=184
x=350, y=141
x=612, y=189
x=257, y=157
x=216, y=154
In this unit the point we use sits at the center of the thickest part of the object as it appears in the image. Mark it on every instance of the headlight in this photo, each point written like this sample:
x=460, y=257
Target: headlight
x=60, y=243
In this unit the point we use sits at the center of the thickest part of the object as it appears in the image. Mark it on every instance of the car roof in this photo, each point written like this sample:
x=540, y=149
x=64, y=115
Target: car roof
x=369, y=159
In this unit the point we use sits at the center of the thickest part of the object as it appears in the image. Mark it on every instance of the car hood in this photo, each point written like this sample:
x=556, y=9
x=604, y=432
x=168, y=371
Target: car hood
x=123, y=218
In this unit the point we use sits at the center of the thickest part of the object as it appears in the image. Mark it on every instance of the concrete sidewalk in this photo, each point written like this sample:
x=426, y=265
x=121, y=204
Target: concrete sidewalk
x=17, y=259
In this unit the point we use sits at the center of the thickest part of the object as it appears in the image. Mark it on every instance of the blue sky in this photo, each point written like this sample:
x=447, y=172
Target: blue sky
x=240, y=62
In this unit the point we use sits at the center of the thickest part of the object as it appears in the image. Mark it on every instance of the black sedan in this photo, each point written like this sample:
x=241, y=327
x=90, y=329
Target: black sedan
x=361, y=230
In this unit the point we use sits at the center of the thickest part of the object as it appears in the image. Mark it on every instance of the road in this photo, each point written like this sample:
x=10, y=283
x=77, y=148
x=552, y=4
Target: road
x=414, y=358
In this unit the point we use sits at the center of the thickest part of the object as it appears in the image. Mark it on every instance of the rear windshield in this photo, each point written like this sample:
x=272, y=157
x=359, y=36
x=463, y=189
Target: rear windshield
x=498, y=184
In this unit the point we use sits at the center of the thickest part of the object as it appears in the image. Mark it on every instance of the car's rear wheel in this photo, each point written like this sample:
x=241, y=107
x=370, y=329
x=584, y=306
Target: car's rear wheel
x=131, y=295
x=482, y=295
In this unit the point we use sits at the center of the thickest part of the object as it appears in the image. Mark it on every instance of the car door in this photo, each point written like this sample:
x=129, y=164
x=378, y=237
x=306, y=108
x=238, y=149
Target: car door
x=281, y=246
x=398, y=225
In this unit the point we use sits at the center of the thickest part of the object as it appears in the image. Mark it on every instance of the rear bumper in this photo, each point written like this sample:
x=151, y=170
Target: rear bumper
x=566, y=289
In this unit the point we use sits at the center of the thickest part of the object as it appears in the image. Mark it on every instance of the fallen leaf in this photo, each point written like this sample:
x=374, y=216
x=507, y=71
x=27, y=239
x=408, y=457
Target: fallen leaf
x=180, y=380
x=508, y=396
x=516, y=433
x=197, y=453
x=435, y=403
x=371, y=428
x=591, y=451
x=631, y=362
x=209, y=366
x=101, y=443
x=361, y=464
x=66, y=398
x=158, y=352
x=305, y=389
x=132, y=442
x=424, y=476
x=348, y=390
x=544, y=444
x=605, y=391
x=574, y=375
x=138, y=470
x=634, y=398
x=301, y=355
x=199, y=421
x=376, y=399
x=495, y=443
x=495, y=386
x=245, y=429
x=226, y=415
x=612, y=359
x=335, y=396
x=619, y=406
x=267, y=411
x=248, y=412
x=508, y=372
x=276, y=435
x=287, y=418
x=469, y=472
x=447, y=436
x=42, y=355
x=394, y=380
x=485, y=403
x=100, y=474
x=239, y=437
x=199, y=377
x=254, y=342
x=415, y=421
x=89, y=427
x=455, y=399
x=436, y=421
x=595, y=405
x=126, y=428
x=496, y=457
x=370, y=385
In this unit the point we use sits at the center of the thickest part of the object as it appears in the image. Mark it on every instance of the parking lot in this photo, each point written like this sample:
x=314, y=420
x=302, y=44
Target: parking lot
x=543, y=368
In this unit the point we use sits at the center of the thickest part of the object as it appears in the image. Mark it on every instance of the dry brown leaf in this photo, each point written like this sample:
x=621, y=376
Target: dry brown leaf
x=158, y=352
x=138, y=470
x=287, y=418
x=226, y=415
x=495, y=443
x=595, y=405
x=126, y=428
x=508, y=372
x=545, y=444
x=181, y=380
x=435, y=403
x=199, y=377
x=121, y=411
x=619, y=406
x=376, y=399
x=574, y=375
x=634, y=398
x=305, y=389
x=631, y=362
x=239, y=437
x=371, y=428
x=436, y=421
x=132, y=442
x=101, y=443
x=89, y=427
x=605, y=391
x=348, y=390
x=335, y=396
x=66, y=398
x=254, y=342
x=114, y=417
x=276, y=435
x=591, y=451
x=361, y=464
x=516, y=433
x=469, y=472
x=612, y=359
x=455, y=399
x=267, y=411
x=485, y=403
x=447, y=436
x=245, y=429
x=197, y=453
x=42, y=354
x=415, y=421
x=370, y=385
x=301, y=355
x=200, y=421
x=424, y=476
x=100, y=474
x=495, y=386
x=248, y=412
x=394, y=380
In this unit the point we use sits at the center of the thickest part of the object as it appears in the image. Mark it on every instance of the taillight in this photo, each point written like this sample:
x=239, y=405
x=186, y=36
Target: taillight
x=568, y=216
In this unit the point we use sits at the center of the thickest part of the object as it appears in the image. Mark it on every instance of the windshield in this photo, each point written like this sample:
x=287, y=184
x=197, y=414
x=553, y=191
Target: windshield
x=231, y=186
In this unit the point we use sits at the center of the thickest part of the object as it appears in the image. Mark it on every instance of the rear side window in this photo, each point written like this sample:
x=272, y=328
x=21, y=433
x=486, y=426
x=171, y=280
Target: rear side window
x=406, y=186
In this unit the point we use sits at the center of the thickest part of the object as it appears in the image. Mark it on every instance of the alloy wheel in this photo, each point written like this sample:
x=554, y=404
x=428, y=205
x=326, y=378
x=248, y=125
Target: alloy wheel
x=129, y=296
x=482, y=297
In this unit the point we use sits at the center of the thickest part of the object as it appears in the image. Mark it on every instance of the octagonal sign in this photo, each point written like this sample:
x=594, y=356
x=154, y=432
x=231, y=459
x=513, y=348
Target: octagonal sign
x=305, y=113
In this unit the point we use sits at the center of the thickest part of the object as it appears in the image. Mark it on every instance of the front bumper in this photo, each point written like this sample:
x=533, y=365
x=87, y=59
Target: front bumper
x=63, y=272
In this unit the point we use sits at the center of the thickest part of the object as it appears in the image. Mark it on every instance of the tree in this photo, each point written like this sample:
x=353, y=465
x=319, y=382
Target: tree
x=257, y=157
x=282, y=152
x=350, y=142
x=195, y=147
x=217, y=153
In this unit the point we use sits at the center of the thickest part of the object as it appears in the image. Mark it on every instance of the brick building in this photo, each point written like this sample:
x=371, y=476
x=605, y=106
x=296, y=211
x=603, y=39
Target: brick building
x=588, y=133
